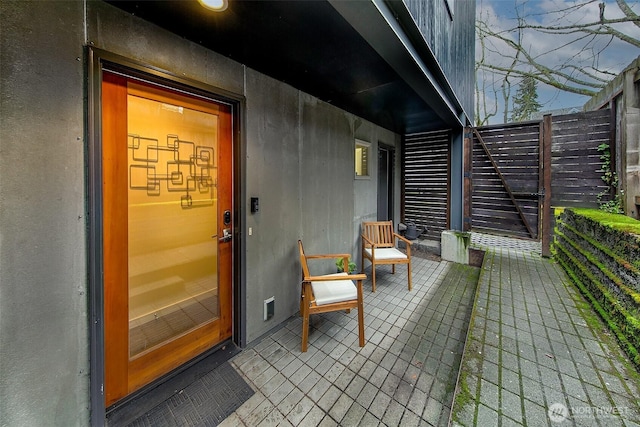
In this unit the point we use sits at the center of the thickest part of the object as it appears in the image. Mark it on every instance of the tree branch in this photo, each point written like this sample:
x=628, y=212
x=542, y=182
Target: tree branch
x=624, y=7
x=550, y=82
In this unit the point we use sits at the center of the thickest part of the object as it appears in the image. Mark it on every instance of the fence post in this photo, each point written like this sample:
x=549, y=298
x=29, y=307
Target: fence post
x=547, y=215
x=468, y=176
x=613, y=155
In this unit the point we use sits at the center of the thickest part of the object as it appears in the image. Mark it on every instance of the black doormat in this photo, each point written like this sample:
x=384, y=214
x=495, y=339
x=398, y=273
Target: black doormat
x=207, y=400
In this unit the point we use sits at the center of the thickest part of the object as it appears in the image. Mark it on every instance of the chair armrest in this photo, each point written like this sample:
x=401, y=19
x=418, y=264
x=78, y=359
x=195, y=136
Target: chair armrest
x=326, y=256
x=345, y=257
x=404, y=239
x=407, y=241
x=365, y=239
x=335, y=278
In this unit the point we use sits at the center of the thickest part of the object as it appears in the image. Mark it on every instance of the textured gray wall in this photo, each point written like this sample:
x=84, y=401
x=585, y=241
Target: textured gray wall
x=365, y=190
x=273, y=175
x=44, y=355
x=300, y=163
x=298, y=157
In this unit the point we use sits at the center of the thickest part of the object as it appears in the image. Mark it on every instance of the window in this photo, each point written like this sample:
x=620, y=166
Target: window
x=362, y=159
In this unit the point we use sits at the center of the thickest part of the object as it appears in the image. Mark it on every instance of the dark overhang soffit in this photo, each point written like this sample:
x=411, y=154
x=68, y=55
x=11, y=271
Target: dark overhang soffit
x=366, y=57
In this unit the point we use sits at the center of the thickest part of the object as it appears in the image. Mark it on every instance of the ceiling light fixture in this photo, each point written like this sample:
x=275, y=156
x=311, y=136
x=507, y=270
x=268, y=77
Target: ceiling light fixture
x=215, y=5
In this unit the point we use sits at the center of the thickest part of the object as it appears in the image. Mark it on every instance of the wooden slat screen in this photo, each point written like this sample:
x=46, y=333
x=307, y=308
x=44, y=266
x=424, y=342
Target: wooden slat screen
x=515, y=149
x=576, y=168
x=425, y=164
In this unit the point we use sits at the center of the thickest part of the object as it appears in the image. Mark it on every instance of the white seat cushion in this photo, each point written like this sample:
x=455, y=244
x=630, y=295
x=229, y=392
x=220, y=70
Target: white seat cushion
x=387, y=253
x=334, y=290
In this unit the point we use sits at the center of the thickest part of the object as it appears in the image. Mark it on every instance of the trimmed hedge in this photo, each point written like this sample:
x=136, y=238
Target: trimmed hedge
x=601, y=254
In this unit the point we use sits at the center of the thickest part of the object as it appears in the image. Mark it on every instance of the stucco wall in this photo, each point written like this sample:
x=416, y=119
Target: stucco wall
x=365, y=190
x=298, y=158
x=44, y=355
x=300, y=163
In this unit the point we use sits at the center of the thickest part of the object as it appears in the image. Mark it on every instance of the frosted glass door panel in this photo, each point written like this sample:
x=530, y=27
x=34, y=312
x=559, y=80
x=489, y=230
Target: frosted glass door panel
x=172, y=242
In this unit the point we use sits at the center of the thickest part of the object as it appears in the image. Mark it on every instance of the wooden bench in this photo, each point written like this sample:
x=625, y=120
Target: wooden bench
x=330, y=292
x=379, y=247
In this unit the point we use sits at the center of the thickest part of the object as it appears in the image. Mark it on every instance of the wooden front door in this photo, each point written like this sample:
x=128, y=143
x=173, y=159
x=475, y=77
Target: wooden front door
x=167, y=227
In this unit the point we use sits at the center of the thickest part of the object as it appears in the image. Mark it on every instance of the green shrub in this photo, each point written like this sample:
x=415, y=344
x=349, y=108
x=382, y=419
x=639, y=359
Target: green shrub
x=340, y=265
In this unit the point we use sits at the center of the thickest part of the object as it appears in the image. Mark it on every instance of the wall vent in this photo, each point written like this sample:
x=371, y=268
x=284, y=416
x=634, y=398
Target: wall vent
x=269, y=308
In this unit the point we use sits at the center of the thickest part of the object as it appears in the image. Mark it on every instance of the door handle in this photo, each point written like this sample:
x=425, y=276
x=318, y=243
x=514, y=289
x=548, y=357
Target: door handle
x=226, y=235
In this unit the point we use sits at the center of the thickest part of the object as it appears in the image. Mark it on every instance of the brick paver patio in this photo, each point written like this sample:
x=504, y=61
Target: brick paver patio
x=404, y=375
x=537, y=355
x=524, y=350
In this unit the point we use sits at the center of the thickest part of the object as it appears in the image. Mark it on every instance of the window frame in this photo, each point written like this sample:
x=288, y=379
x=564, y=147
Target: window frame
x=364, y=145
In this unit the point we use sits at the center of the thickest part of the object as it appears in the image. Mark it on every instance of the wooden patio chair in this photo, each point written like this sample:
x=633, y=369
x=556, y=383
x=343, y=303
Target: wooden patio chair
x=379, y=247
x=330, y=292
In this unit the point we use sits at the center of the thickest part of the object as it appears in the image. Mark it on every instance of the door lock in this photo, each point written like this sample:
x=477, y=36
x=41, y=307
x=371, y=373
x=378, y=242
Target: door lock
x=226, y=235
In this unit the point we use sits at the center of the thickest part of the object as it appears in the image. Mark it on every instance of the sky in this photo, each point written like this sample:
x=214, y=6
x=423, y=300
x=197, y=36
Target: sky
x=553, y=50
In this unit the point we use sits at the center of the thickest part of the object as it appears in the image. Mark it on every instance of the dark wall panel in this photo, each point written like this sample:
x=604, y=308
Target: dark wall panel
x=451, y=37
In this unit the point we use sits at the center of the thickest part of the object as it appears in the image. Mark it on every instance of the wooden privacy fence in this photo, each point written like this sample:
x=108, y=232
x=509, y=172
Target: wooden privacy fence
x=505, y=177
x=576, y=167
x=512, y=172
x=520, y=171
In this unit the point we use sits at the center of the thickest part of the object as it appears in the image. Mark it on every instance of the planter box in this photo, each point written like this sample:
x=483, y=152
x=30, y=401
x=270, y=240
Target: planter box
x=455, y=246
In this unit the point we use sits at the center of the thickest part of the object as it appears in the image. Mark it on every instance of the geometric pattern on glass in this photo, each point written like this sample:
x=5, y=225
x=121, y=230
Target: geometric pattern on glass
x=187, y=170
